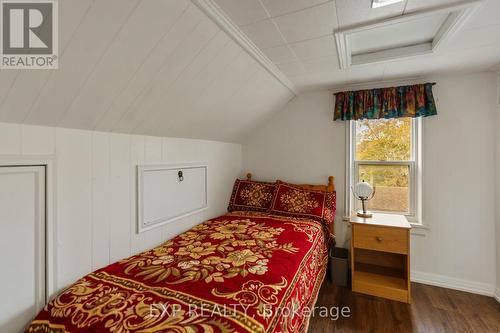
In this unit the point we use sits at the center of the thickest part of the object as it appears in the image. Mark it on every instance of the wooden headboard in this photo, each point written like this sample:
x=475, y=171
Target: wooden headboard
x=330, y=187
x=326, y=188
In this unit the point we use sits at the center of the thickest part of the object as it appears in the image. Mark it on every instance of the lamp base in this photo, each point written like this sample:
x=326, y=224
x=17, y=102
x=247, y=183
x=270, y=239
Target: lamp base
x=366, y=214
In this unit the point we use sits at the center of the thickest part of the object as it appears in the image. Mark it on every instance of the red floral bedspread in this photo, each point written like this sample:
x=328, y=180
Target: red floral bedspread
x=241, y=272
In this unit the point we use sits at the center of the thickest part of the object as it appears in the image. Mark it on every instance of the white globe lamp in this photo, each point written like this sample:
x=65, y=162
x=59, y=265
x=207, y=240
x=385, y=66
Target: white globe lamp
x=364, y=192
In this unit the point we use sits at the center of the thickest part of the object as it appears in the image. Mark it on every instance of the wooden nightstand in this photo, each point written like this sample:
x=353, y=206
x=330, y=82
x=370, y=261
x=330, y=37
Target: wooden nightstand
x=380, y=256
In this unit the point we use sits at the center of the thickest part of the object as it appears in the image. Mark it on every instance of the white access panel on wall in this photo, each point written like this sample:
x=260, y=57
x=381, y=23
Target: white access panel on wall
x=22, y=245
x=169, y=192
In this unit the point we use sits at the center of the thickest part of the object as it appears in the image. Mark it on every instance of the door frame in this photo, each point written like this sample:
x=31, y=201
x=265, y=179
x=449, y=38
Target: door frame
x=50, y=222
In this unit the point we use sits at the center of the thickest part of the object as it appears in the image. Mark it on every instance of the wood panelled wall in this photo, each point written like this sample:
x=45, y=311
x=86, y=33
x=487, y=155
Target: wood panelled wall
x=95, y=189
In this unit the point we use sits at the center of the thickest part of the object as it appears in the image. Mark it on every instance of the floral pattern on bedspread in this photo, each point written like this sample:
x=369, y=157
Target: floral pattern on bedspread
x=239, y=272
x=223, y=249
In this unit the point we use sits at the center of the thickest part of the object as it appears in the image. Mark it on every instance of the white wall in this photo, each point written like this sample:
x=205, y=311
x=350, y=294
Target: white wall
x=94, y=189
x=301, y=143
x=497, y=166
x=459, y=191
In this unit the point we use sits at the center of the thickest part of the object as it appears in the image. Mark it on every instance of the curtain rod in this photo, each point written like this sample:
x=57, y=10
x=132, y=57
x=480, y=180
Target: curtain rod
x=405, y=85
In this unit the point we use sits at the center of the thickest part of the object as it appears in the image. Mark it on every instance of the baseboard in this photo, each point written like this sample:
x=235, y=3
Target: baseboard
x=454, y=283
x=497, y=295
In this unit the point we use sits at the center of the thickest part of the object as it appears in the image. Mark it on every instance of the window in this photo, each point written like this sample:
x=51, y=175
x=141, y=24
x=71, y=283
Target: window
x=385, y=153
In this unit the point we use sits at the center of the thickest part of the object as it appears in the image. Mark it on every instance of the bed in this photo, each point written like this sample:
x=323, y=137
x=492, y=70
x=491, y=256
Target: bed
x=245, y=271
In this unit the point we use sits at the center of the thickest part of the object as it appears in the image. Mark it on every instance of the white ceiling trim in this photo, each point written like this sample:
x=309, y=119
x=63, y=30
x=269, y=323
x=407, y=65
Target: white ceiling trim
x=217, y=15
x=458, y=13
x=383, y=3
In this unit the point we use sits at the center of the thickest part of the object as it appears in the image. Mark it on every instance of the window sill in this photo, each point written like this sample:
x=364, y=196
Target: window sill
x=419, y=229
x=419, y=226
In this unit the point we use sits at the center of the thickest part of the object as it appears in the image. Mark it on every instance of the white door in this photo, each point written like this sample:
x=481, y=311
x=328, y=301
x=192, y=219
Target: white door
x=22, y=245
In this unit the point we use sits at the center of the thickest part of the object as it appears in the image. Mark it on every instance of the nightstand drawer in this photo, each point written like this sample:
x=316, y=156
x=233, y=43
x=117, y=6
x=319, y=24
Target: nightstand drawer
x=378, y=238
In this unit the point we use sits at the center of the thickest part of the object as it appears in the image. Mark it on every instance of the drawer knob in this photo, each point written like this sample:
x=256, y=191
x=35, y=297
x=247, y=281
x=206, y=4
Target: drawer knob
x=379, y=239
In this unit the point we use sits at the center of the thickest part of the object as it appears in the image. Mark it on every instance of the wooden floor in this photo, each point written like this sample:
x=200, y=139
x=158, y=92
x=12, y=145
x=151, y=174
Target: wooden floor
x=433, y=309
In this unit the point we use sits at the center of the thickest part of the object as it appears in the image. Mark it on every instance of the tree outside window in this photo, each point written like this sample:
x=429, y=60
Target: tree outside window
x=384, y=157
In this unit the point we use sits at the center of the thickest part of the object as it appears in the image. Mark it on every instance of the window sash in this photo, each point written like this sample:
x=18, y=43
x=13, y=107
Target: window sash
x=415, y=172
x=413, y=139
x=412, y=181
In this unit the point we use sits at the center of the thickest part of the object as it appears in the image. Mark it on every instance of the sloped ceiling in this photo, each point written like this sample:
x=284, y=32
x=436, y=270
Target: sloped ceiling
x=157, y=67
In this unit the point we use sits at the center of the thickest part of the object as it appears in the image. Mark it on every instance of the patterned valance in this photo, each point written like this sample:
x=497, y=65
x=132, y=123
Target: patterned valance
x=395, y=102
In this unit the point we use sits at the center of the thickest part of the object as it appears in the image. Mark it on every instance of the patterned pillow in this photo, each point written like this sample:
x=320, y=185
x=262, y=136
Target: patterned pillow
x=251, y=195
x=295, y=201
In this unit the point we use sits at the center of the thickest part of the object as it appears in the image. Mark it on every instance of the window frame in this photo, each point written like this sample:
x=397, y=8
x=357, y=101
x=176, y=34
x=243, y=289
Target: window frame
x=415, y=171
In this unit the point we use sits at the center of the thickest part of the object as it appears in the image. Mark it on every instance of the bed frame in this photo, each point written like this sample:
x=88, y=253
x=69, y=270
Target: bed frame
x=325, y=188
